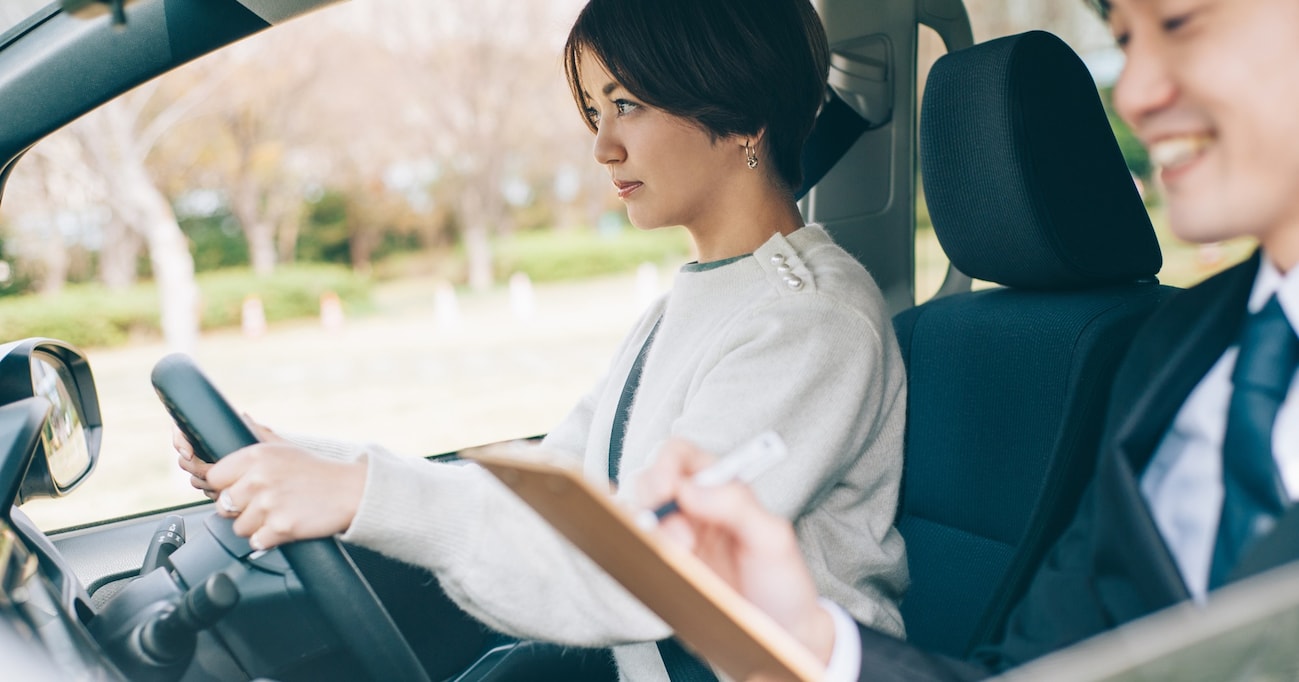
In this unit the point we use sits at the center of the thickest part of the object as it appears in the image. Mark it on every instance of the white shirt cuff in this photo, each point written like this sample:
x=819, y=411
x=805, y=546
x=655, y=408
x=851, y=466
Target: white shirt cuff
x=845, y=658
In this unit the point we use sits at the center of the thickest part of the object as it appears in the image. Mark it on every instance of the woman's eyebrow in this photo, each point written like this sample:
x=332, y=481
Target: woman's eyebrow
x=608, y=88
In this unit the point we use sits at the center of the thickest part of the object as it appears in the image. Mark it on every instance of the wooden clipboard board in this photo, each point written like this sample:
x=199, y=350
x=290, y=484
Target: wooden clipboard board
x=705, y=613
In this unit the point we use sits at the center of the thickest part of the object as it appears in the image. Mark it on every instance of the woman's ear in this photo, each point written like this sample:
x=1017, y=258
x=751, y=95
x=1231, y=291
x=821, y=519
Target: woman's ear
x=752, y=139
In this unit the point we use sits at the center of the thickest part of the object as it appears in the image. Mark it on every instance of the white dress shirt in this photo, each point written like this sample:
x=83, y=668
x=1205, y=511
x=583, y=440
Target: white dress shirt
x=1183, y=483
x=845, y=659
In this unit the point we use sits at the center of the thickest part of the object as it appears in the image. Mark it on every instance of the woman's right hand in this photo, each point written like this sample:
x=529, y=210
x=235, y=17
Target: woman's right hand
x=195, y=467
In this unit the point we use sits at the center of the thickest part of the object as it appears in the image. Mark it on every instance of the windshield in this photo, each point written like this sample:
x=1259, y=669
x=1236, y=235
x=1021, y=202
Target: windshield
x=357, y=134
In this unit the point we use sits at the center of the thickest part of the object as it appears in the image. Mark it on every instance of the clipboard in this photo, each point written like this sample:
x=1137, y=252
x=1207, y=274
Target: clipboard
x=703, y=611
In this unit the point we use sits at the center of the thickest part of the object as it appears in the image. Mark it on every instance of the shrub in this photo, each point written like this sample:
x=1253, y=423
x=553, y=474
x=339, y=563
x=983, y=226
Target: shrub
x=292, y=292
x=216, y=241
x=550, y=256
x=90, y=315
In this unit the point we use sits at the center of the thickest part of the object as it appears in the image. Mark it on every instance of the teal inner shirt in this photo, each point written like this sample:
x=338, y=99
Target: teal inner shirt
x=696, y=266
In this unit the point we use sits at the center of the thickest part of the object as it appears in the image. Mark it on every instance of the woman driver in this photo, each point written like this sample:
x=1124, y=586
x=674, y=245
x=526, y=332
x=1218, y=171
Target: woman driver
x=699, y=112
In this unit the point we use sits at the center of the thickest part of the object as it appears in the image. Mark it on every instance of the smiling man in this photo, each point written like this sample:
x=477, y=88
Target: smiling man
x=1200, y=457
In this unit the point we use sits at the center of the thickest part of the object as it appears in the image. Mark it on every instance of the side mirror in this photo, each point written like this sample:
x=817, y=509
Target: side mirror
x=72, y=431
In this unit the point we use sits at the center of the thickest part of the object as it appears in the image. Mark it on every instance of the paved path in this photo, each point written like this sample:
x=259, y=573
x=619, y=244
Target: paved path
x=401, y=376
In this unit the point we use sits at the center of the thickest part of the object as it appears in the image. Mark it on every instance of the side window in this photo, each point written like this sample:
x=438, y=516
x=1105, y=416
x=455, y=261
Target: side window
x=390, y=242
x=931, y=262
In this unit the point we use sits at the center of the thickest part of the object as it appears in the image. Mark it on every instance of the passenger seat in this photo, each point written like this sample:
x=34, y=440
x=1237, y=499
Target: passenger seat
x=1007, y=386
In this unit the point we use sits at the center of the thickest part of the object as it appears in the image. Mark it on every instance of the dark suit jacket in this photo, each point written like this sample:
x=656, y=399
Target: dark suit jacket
x=1110, y=565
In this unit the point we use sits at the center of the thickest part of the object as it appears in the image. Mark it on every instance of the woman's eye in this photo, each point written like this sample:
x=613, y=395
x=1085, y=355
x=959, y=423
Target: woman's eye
x=592, y=115
x=625, y=106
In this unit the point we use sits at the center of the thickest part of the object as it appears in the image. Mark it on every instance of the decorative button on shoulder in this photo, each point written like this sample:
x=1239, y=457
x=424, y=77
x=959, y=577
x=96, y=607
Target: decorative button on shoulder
x=794, y=282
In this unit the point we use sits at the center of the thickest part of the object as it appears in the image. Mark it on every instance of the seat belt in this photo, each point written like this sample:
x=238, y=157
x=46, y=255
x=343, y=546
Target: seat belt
x=835, y=131
x=681, y=665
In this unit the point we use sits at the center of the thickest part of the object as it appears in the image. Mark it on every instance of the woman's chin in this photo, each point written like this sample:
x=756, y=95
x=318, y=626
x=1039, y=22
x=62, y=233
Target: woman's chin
x=645, y=225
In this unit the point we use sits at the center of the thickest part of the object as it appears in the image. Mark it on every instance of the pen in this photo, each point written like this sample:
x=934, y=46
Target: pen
x=744, y=464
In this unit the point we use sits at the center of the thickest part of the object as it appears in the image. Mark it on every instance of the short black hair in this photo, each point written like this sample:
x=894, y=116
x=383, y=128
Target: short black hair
x=1102, y=7
x=732, y=66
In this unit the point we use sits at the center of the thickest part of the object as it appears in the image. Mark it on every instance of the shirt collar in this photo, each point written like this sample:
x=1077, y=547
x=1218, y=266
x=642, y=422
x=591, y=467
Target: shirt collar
x=1286, y=287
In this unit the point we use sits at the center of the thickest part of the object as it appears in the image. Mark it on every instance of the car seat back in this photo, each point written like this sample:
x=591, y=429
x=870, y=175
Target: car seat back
x=1007, y=386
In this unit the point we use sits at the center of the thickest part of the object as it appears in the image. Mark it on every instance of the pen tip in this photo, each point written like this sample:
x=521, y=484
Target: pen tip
x=646, y=520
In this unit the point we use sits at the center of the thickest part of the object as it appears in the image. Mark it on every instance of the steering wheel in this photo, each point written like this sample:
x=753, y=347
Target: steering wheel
x=327, y=574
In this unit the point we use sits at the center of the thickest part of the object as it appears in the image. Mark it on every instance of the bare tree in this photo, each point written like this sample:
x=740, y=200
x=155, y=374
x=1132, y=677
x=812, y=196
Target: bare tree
x=243, y=141
x=119, y=252
x=338, y=100
x=118, y=138
x=57, y=205
x=35, y=235
x=482, y=79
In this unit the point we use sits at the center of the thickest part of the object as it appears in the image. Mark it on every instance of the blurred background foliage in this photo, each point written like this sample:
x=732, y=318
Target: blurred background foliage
x=90, y=315
x=1133, y=151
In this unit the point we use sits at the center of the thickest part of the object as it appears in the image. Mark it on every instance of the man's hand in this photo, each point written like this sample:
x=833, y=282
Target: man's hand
x=754, y=551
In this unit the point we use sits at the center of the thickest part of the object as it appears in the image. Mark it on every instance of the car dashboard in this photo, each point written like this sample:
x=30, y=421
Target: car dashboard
x=169, y=616
x=41, y=607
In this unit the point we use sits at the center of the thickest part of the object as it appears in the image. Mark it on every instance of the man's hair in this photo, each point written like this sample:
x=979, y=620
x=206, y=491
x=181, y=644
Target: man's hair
x=1102, y=7
x=731, y=66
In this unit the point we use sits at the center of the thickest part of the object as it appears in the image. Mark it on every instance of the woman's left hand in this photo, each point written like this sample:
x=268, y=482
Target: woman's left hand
x=278, y=492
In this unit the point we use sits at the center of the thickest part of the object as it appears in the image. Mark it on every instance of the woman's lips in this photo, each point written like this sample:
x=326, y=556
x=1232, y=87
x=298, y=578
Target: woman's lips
x=626, y=188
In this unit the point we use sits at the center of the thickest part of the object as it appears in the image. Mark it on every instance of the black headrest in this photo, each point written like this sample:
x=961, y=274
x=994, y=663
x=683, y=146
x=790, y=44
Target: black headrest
x=1025, y=182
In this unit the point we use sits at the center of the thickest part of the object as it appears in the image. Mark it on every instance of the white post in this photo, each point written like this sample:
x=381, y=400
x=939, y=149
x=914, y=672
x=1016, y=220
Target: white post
x=446, y=308
x=522, y=301
x=253, y=316
x=331, y=311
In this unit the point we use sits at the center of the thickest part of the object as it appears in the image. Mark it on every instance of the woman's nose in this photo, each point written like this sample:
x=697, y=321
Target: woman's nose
x=607, y=149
